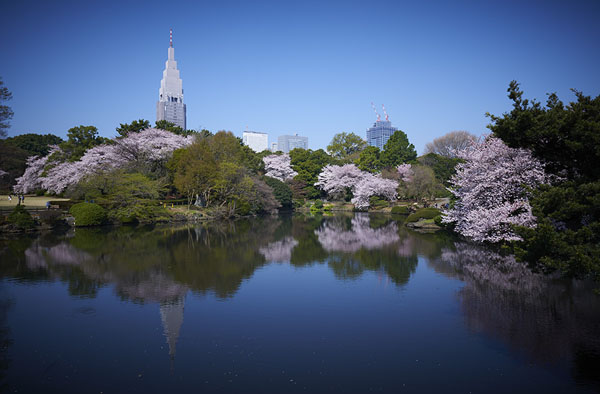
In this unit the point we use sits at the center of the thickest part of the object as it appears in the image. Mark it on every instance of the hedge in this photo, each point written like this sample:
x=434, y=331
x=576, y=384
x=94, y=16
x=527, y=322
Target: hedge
x=88, y=214
x=424, y=213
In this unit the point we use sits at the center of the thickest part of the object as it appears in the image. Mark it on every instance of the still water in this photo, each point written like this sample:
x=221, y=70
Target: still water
x=352, y=304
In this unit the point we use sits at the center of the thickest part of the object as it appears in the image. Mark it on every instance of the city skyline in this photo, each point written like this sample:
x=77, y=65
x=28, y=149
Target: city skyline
x=309, y=67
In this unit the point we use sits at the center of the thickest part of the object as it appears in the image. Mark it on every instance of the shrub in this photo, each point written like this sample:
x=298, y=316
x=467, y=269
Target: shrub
x=376, y=202
x=317, y=206
x=88, y=214
x=21, y=218
x=400, y=210
x=139, y=213
x=424, y=213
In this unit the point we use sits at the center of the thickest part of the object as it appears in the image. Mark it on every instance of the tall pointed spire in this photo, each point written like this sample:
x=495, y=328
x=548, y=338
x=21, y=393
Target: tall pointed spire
x=170, y=106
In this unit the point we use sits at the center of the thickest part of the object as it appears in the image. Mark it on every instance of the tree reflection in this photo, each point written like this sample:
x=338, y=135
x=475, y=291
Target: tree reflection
x=544, y=317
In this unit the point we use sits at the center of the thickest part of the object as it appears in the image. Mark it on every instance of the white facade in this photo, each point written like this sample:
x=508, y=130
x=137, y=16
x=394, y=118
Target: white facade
x=170, y=106
x=257, y=141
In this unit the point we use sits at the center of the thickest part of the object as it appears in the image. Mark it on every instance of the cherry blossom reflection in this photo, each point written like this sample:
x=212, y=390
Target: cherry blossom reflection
x=333, y=238
x=548, y=319
x=279, y=251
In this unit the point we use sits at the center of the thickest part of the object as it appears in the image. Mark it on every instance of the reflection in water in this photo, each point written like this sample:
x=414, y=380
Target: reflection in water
x=546, y=318
x=360, y=235
x=279, y=251
x=171, y=315
x=539, y=316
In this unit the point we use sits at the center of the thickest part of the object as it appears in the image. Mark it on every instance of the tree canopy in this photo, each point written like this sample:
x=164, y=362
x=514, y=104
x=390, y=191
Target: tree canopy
x=344, y=145
x=567, y=139
x=6, y=112
x=450, y=144
x=398, y=150
x=34, y=144
x=134, y=127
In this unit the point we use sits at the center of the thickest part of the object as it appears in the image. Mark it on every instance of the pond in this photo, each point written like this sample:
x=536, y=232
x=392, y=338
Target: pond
x=350, y=303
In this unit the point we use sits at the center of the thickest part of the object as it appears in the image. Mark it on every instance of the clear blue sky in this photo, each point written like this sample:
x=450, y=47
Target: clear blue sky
x=304, y=67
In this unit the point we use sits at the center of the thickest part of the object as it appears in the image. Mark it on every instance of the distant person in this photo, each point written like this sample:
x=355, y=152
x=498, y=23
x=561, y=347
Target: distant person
x=47, y=204
x=9, y=198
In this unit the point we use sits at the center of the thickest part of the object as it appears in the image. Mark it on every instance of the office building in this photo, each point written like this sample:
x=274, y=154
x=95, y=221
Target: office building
x=380, y=133
x=286, y=143
x=256, y=141
x=170, y=106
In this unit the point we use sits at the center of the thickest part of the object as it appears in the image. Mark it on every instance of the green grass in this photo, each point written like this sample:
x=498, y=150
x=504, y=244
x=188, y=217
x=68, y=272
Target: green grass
x=30, y=201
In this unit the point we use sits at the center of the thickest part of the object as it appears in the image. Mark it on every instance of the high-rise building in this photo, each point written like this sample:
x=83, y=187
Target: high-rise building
x=257, y=141
x=380, y=133
x=382, y=130
x=286, y=143
x=170, y=106
x=274, y=147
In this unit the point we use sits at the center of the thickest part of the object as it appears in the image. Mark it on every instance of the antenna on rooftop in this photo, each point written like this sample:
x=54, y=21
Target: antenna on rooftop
x=376, y=113
x=387, y=118
x=171, y=38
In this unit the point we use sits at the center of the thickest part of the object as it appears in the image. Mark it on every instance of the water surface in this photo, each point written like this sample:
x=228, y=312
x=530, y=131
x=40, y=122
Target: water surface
x=350, y=303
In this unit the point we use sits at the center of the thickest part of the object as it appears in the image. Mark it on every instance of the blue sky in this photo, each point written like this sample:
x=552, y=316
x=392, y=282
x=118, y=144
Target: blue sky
x=303, y=67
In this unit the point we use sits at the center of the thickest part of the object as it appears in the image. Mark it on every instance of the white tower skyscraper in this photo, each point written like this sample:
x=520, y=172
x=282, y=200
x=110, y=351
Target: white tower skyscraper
x=170, y=106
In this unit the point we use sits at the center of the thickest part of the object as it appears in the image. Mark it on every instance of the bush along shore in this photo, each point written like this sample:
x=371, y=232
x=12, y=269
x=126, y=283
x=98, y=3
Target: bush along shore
x=88, y=213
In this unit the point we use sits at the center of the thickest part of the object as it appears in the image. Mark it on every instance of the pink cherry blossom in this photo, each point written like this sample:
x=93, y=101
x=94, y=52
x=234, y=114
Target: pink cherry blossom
x=279, y=167
x=146, y=147
x=491, y=189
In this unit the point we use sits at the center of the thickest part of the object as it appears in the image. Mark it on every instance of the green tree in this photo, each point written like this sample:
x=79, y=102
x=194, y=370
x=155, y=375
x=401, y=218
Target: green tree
x=398, y=150
x=173, y=128
x=34, y=144
x=443, y=167
x=195, y=172
x=346, y=146
x=6, y=112
x=308, y=164
x=567, y=140
x=13, y=161
x=80, y=139
x=281, y=190
x=134, y=127
x=565, y=137
x=369, y=159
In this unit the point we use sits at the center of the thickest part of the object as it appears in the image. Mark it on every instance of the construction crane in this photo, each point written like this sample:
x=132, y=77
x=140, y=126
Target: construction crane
x=387, y=118
x=376, y=113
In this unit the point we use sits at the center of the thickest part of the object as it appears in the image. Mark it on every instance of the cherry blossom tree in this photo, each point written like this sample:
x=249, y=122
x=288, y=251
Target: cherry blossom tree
x=148, y=147
x=491, y=190
x=279, y=167
x=373, y=185
x=336, y=179
x=30, y=180
x=406, y=173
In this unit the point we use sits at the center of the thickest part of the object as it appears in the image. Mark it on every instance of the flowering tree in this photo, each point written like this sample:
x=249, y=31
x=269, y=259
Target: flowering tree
x=491, y=191
x=406, y=173
x=373, y=185
x=336, y=179
x=30, y=180
x=146, y=148
x=279, y=167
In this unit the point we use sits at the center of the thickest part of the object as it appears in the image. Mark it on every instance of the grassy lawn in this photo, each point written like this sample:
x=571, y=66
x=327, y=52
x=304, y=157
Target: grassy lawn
x=30, y=201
